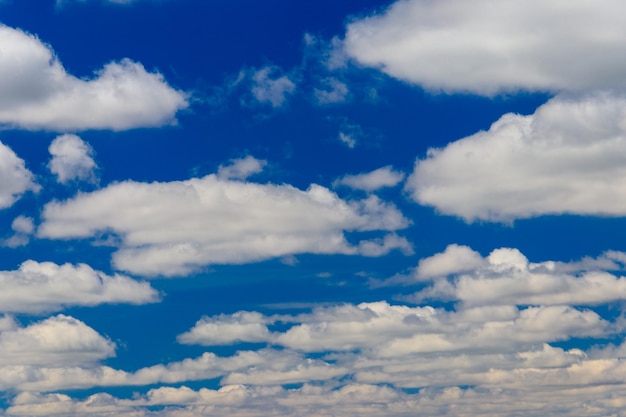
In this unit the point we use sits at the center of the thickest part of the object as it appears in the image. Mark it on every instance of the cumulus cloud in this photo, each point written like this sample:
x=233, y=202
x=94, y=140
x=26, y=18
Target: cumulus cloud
x=485, y=48
x=372, y=181
x=60, y=340
x=37, y=93
x=455, y=259
x=212, y=220
x=271, y=90
x=71, y=159
x=506, y=277
x=15, y=178
x=565, y=158
x=38, y=287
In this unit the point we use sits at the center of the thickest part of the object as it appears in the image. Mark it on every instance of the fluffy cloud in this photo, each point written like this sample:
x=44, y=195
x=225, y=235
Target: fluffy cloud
x=59, y=340
x=485, y=48
x=454, y=259
x=269, y=90
x=506, y=277
x=40, y=287
x=211, y=220
x=372, y=181
x=15, y=179
x=71, y=159
x=37, y=93
x=565, y=158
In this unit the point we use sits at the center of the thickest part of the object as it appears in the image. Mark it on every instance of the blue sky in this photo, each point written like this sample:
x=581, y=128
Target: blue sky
x=278, y=208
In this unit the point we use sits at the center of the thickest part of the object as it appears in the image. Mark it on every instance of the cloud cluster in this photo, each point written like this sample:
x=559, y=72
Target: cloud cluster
x=566, y=158
x=176, y=227
x=485, y=48
x=36, y=92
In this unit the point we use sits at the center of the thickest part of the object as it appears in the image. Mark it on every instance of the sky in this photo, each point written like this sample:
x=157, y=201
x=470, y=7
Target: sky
x=312, y=208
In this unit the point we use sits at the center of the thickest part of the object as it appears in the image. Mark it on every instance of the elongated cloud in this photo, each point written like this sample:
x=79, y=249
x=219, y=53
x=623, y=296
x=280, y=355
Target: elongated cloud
x=486, y=48
x=15, y=178
x=38, y=287
x=566, y=158
x=372, y=181
x=174, y=228
x=37, y=93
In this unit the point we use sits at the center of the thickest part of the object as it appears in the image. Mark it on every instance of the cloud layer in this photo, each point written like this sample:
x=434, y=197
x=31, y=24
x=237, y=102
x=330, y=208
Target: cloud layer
x=486, y=48
x=36, y=92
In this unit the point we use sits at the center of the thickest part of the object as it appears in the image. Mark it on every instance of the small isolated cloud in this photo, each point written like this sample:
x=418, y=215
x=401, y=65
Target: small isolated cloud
x=567, y=157
x=71, y=159
x=486, y=48
x=506, y=277
x=268, y=88
x=38, y=287
x=240, y=169
x=347, y=139
x=334, y=91
x=212, y=220
x=372, y=181
x=37, y=93
x=15, y=179
x=23, y=228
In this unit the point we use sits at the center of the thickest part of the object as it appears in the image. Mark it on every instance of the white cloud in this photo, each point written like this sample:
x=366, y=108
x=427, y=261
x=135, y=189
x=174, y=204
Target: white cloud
x=37, y=93
x=15, y=179
x=71, y=159
x=567, y=157
x=45, y=286
x=240, y=169
x=247, y=222
x=22, y=227
x=372, y=181
x=506, y=277
x=485, y=48
x=59, y=340
x=269, y=90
